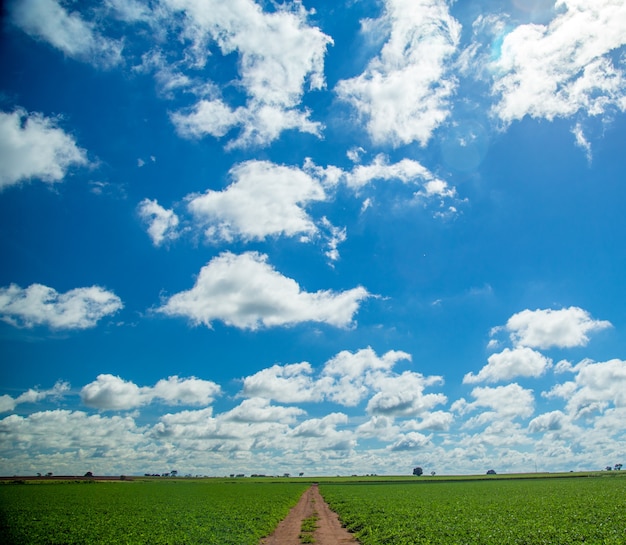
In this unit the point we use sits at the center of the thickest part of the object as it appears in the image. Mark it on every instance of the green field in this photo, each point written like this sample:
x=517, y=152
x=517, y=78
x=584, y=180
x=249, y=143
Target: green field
x=503, y=510
x=213, y=512
x=520, y=511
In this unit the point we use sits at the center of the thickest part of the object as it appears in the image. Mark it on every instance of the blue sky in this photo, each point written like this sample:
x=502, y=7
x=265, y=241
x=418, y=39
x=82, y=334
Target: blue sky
x=319, y=237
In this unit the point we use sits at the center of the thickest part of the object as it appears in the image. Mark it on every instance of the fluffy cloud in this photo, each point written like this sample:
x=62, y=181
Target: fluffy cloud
x=264, y=200
x=283, y=383
x=347, y=379
x=509, y=364
x=406, y=170
x=318, y=434
x=404, y=92
x=66, y=441
x=547, y=328
x=261, y=410
x=162, y=223
x=411, y=441
x=109, y=392
x=507, y=402
x=403, y=395
x=33, y=146
x=245, y=292
x=596, y=387
x=559, y=69
x=352, y=374
x=80, y=308
x=48, y=20
x=279, y=56
x=551, y=421
x=33, y=395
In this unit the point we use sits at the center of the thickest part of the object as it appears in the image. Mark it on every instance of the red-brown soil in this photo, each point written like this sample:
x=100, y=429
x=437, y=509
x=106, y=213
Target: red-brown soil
x=328, y=532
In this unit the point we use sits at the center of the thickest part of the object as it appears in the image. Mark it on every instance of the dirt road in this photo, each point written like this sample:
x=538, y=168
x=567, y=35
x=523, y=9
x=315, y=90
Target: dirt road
x=328, y=532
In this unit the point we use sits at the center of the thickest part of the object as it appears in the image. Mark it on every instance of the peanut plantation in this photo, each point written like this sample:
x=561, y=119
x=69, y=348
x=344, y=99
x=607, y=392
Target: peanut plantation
x=155, y=512
x=550, y=511
x=382, y=510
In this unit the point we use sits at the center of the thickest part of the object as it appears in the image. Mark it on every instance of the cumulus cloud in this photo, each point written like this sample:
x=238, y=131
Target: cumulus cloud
x=403, y=94
x=411, y=441
x=162, y=223
x=280, y=57
x=284, y=383
x=510, y=401
x=350, y=375
x=48, y=20
x=596, y=387
x=264, y=199
x=403, y=395
x=33, y=395
x=244, y=291
x=564, y=328
x=64, y=429
x=109, y=392
x=509, y=364
x=554, y=420
x=36, y=305
x=406, y=171
x=34, y=147
x=261, y=410
x=348, y=379
x=559, y=69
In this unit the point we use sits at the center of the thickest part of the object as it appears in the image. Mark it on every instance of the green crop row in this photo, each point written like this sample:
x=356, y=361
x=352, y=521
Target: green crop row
x=501, y=512
x=144, y=512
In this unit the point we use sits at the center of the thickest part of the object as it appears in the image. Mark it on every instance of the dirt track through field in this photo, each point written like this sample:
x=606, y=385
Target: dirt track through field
x=328, y=532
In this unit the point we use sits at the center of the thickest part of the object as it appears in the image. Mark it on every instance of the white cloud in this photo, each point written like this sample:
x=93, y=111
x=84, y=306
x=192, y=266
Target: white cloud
x=564, y=67
x=33, y=395
x=406, y=170
x=244, y=291
x=320, y=427
x=280, y=56
x=353, y=373
x=261, y=410
x=378, y=427
x=48, y=20
x=162, y=223
x=598, y=386
x=404, y=92
x=185, y=391
x=207, y=117
x=411, y=441
x=33, y=146
x=582, y=142
x=509, y=364
x=551, y=421
x=129, y=11
x=284, y=383
x=510, y=401
x=403, y=395
x=264, y=200
x=109, y=392
x=321, y=434
x=435, y=421
x=80, y=308
x=564, y=328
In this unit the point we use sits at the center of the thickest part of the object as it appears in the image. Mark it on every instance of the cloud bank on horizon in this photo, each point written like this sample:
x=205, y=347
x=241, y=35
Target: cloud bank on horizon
x=258, y=244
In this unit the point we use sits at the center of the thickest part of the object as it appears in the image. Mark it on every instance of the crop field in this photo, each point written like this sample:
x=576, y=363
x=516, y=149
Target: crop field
x=554, y=511
x=213, y=512
x=379, y=510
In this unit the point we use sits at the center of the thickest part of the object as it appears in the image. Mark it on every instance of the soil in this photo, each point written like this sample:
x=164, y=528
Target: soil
x=328, y=532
